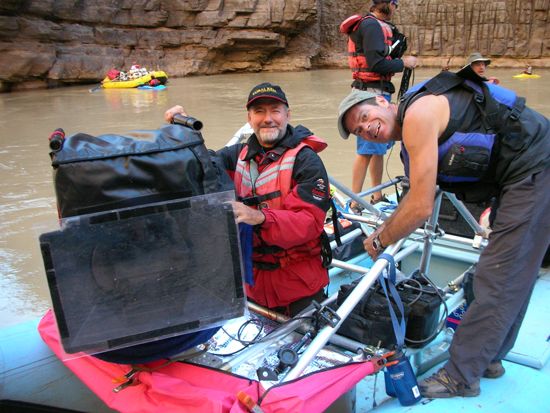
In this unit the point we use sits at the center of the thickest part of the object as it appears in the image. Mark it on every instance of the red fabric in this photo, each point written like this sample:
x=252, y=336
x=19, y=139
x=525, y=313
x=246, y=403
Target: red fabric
x=358, y=63
x=350, y=24
x=113, y=74
x=290, y=223
x=181, y=387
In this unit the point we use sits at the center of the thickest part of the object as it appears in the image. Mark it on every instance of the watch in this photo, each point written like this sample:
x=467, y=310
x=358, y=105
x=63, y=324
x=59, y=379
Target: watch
x=377, y=244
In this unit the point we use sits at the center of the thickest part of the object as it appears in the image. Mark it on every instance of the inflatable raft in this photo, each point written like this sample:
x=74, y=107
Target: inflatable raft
x=133, y=83
x=526, y=76
x=147, y=87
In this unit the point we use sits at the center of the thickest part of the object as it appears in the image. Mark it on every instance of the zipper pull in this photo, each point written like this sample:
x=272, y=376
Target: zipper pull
x=125, y=381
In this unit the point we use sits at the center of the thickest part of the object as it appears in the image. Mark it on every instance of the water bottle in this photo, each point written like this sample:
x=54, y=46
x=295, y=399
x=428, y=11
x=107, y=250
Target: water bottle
x=400, y=380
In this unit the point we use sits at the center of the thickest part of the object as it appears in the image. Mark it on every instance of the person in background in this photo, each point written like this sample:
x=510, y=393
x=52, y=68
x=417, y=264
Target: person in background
x=432, y=119
x=446, y=67
x=479, y=65
x=283, y=191
x=373, y=63
x=528, y=70
x=154, y=81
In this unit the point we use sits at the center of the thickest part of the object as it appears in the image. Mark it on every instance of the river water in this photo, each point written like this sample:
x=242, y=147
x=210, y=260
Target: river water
x=27, y=204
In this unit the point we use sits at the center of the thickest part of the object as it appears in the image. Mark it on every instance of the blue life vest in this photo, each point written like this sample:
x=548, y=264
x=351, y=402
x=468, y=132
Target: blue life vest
x=466, y=153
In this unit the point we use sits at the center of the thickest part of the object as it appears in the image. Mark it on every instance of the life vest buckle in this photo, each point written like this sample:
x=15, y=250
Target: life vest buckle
x=514, y=114
x=479, y=98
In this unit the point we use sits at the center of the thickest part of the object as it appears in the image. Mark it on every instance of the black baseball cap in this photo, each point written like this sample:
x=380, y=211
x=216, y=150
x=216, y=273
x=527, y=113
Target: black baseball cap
x=266, y=91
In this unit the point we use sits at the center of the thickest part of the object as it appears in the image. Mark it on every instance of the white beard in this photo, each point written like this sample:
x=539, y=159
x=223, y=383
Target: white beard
x=270, y=136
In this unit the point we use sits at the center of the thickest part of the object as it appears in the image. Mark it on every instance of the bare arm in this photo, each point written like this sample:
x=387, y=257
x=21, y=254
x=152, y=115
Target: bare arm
x=424, y=122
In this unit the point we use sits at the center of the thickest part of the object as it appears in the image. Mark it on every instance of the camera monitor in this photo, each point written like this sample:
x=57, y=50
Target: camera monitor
x=135, y=275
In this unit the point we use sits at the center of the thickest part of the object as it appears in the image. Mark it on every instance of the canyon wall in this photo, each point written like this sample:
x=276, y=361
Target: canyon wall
x=45, y=43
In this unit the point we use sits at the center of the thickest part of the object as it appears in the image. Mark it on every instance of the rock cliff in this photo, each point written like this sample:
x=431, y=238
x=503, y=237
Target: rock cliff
x=46, y=43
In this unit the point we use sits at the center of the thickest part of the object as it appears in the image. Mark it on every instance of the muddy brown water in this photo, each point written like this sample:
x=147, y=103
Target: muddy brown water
x=27, y=204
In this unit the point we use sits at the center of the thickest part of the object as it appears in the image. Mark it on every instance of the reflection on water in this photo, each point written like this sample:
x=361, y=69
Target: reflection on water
x=27, y=204
x=137, y=100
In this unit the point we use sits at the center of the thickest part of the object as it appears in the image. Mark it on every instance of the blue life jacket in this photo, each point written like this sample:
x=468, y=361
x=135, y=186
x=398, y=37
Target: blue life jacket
x=466, y=152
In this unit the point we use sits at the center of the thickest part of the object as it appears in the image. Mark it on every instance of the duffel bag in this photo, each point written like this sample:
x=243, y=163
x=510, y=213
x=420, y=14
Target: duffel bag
x=97, y=173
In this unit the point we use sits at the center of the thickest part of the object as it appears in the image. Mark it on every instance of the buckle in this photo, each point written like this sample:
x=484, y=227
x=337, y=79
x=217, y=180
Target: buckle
x=514, y=114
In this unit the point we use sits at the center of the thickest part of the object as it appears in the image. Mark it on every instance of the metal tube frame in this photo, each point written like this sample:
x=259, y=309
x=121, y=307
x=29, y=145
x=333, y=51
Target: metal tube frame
x=357, y=198
x=430, y=234
x=466, y=214
x=370, y=276
x=383, y=185
x=323, y=336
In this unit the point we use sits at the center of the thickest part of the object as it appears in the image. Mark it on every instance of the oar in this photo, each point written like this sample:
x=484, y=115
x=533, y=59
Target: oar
x=96, y=88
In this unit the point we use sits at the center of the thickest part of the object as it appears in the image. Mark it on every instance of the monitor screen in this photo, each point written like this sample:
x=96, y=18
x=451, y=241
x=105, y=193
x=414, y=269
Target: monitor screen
x=135, y=275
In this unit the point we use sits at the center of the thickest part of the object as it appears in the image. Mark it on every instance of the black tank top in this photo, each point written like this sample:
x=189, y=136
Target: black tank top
x=523, y=146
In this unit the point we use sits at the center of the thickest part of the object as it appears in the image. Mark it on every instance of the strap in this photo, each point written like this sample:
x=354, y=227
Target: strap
x=210, y=181
x=267, y=249
x=443, y=82
x=518, y=107
x=388, y=284
x=405, y=82
x=326, y=251
x=267, y=266
x=258, y=199
x=489, y=109
x=336, y=223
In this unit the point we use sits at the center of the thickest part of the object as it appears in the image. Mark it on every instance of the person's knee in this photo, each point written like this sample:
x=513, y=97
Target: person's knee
x=377, y=161
x=362, y=160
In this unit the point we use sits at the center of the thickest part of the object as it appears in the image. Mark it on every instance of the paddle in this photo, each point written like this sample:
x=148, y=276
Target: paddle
x=96, y=88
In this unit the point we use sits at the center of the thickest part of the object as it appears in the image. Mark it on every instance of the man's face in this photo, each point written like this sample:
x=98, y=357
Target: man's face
x=269, y=119
x=479, y=68
x=374, y=123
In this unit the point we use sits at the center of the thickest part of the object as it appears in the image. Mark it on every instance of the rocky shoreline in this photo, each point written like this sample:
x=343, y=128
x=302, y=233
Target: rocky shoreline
x=50, y=43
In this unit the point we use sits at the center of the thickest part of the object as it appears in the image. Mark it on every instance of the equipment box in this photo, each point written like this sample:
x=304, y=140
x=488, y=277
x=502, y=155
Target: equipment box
x=134, y=275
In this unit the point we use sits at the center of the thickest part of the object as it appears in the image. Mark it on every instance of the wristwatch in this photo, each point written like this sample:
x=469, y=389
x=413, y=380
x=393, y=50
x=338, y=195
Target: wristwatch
x=377, y=244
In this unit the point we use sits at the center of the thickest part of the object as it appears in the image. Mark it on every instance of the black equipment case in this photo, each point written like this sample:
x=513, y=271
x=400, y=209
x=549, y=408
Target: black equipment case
x=370, y=322
x=107, y=180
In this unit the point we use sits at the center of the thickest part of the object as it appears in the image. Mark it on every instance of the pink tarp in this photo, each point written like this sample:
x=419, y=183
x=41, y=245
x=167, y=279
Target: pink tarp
x=182, y=387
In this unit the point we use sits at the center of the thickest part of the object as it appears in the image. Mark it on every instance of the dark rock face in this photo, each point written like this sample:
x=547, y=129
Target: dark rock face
x=51, y=42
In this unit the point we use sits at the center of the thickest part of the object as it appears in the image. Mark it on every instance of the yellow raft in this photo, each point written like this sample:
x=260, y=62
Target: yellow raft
x=131, y=83
x=526, y=76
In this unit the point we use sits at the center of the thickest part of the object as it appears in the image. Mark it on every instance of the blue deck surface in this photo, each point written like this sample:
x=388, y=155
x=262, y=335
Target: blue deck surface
x=521, y=389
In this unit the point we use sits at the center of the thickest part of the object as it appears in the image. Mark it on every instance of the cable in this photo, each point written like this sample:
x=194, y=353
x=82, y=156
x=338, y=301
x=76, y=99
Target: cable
x=387, y=163
x=443, y=319
x=245, y=343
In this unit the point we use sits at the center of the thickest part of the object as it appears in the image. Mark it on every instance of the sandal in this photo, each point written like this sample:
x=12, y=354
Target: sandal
x=381, y=199
x=356, y=208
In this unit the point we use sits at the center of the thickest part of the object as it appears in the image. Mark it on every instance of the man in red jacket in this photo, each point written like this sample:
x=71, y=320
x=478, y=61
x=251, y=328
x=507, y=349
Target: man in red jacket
x=283, y=189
